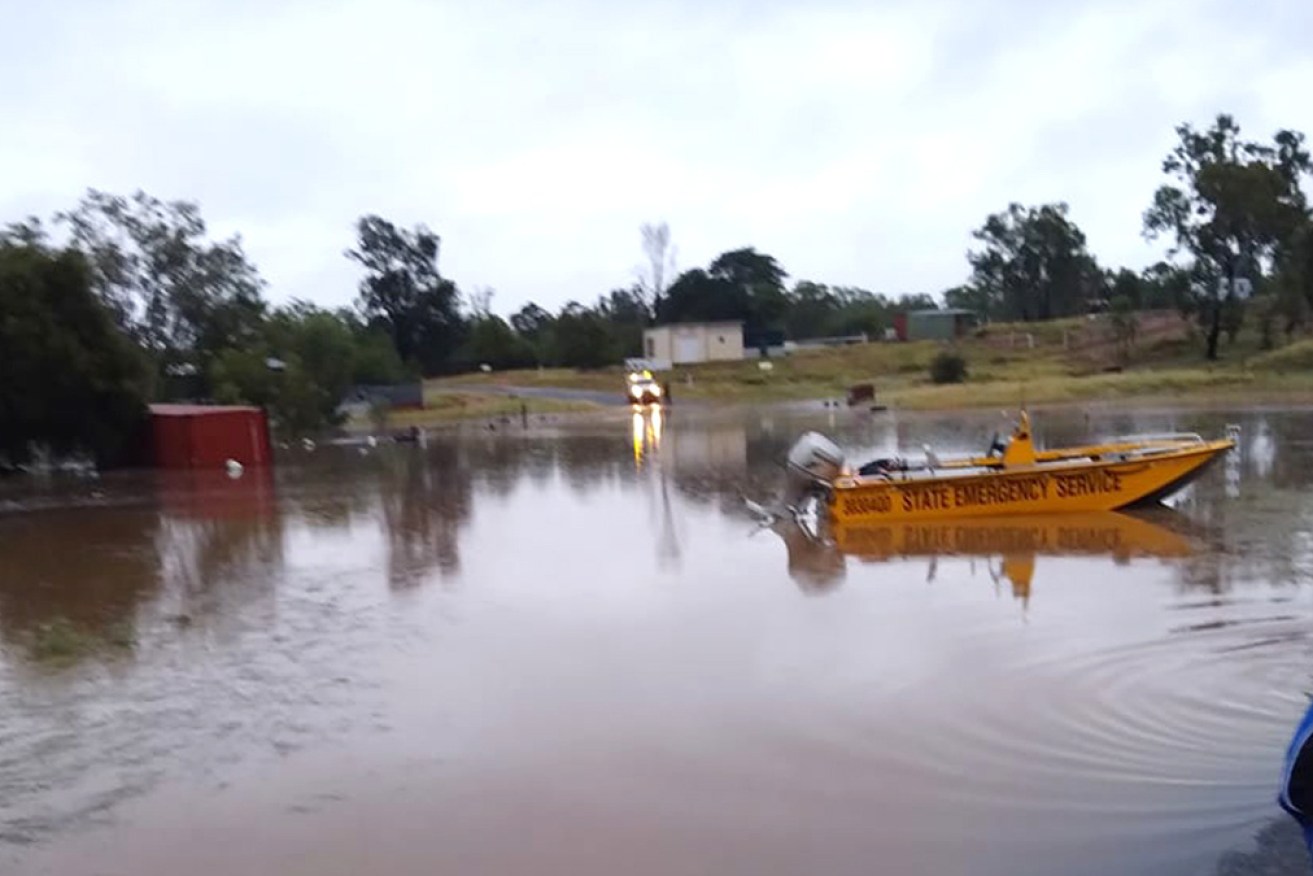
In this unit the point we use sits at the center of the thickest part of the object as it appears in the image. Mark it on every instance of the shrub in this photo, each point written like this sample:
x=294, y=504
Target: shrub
x=948, y=367
x=1293, y=357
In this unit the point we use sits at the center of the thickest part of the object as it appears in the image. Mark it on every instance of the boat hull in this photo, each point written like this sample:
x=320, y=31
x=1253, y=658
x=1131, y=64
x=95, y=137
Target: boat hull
x=1069, y=487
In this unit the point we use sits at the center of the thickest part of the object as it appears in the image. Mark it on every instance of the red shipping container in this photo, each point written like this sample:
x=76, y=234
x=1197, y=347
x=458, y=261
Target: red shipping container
x=207, y=436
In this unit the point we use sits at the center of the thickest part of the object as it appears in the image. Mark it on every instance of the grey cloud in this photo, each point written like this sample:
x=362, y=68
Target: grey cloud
x=858, y=143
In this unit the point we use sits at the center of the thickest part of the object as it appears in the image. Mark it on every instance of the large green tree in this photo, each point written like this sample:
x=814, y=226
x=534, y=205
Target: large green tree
x=1294, y=280
x=69, y=379
x=179, y=294
x=1232, y=206
x=491, y=341
x=374, y=360
x=762, y=280
x=533, y=325
x=1164, y=285
x=812, y=309
x=403, y=291
x=627, y=312
x=1032, y=265
x=696, y=296
x=302, y=366
x=860, y=311
x=740, y=284
x=582, y=338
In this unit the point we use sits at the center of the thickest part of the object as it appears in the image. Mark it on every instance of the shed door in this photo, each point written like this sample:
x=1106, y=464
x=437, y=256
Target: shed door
x=688, y=348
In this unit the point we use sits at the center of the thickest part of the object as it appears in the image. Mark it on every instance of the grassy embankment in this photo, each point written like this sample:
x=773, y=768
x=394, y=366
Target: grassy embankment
x=442, y=407
x=1040, y=363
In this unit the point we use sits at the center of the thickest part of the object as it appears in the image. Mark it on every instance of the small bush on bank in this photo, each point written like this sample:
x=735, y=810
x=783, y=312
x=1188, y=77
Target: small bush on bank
x=948, y=367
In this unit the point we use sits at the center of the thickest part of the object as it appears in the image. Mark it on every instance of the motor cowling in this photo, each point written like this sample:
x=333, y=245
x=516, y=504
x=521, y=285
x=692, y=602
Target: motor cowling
x=813, y=458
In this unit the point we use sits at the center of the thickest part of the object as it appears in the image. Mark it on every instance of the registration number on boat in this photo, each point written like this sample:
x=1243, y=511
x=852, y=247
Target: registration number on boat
x=874, y=503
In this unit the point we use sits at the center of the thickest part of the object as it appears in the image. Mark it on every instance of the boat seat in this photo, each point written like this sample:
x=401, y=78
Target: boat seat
x=882, y=467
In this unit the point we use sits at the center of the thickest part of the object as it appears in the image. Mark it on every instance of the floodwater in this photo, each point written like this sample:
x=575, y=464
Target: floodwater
x=570, y=650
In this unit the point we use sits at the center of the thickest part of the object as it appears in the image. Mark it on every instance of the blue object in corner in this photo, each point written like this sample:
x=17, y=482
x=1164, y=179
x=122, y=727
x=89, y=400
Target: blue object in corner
x=1296, y=796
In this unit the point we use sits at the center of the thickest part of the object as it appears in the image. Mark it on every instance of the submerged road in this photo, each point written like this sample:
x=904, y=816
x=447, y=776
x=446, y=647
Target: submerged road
x=594, y=396
x=585, y=395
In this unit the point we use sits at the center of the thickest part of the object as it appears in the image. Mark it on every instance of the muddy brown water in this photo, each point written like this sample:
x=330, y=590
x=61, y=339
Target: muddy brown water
x=569, y=650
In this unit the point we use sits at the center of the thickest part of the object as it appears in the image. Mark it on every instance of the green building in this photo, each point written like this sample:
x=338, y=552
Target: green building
x=934, y=325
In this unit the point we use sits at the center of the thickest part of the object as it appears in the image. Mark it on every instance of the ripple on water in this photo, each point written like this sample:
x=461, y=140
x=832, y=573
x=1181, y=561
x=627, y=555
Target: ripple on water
x=264, y=681
x=1166, y=715
x=1161, y=737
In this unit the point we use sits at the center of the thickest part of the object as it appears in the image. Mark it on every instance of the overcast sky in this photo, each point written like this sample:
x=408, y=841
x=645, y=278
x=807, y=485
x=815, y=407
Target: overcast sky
x=857, y=142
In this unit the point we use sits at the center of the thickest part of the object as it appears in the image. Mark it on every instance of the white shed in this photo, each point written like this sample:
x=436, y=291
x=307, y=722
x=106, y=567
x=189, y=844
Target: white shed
x=689, y=342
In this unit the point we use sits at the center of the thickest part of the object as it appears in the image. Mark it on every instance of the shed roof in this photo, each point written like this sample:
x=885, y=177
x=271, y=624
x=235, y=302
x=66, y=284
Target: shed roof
x=199, y=410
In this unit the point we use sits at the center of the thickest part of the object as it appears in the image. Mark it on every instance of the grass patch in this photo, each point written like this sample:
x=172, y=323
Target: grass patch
x=1002, y=368
x=60, y=642
x=452, y=406
x=1292, y=357
x=603, y=380
x=1071, y=388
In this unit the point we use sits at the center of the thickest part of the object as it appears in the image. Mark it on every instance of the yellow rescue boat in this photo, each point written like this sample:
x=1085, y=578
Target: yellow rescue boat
x=1014, y=477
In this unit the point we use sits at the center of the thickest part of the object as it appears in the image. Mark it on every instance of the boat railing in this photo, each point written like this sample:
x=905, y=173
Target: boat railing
x=1158, y=437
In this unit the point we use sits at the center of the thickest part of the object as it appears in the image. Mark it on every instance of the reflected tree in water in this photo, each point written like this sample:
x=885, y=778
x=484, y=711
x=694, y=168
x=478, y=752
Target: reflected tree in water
x=195, y=546
x=592, y=461
x=90, y=570
x=498, y=461
x=1253, y=509
x=329, y=490
x=426, y=501
x=220, y=542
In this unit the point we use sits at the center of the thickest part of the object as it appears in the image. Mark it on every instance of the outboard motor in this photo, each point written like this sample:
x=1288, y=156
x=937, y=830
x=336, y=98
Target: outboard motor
x=814, y=458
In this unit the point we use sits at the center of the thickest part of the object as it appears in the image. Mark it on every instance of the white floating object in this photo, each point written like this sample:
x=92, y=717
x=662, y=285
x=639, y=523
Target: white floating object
x=763, y=514
x=234, y=468
x=371, y=441
x=307, y=444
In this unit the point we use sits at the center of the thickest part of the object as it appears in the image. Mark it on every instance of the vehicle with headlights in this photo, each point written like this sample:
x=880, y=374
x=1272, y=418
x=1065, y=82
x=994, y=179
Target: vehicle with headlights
x=643, y=389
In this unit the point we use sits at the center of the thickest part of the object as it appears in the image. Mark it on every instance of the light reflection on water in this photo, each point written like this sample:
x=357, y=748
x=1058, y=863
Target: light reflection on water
x=578, y=627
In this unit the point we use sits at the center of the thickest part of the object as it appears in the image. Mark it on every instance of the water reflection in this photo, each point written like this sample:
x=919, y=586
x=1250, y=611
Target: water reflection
x=1009, y=546
x=219, y=541
x=197, y=542
x=645, y=432
x=646, y=428
x=426, y=498
x=86, y=568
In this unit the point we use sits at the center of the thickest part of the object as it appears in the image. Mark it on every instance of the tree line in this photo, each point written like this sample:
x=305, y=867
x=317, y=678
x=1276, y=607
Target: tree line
x=1235, y=214
x=125, y=299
